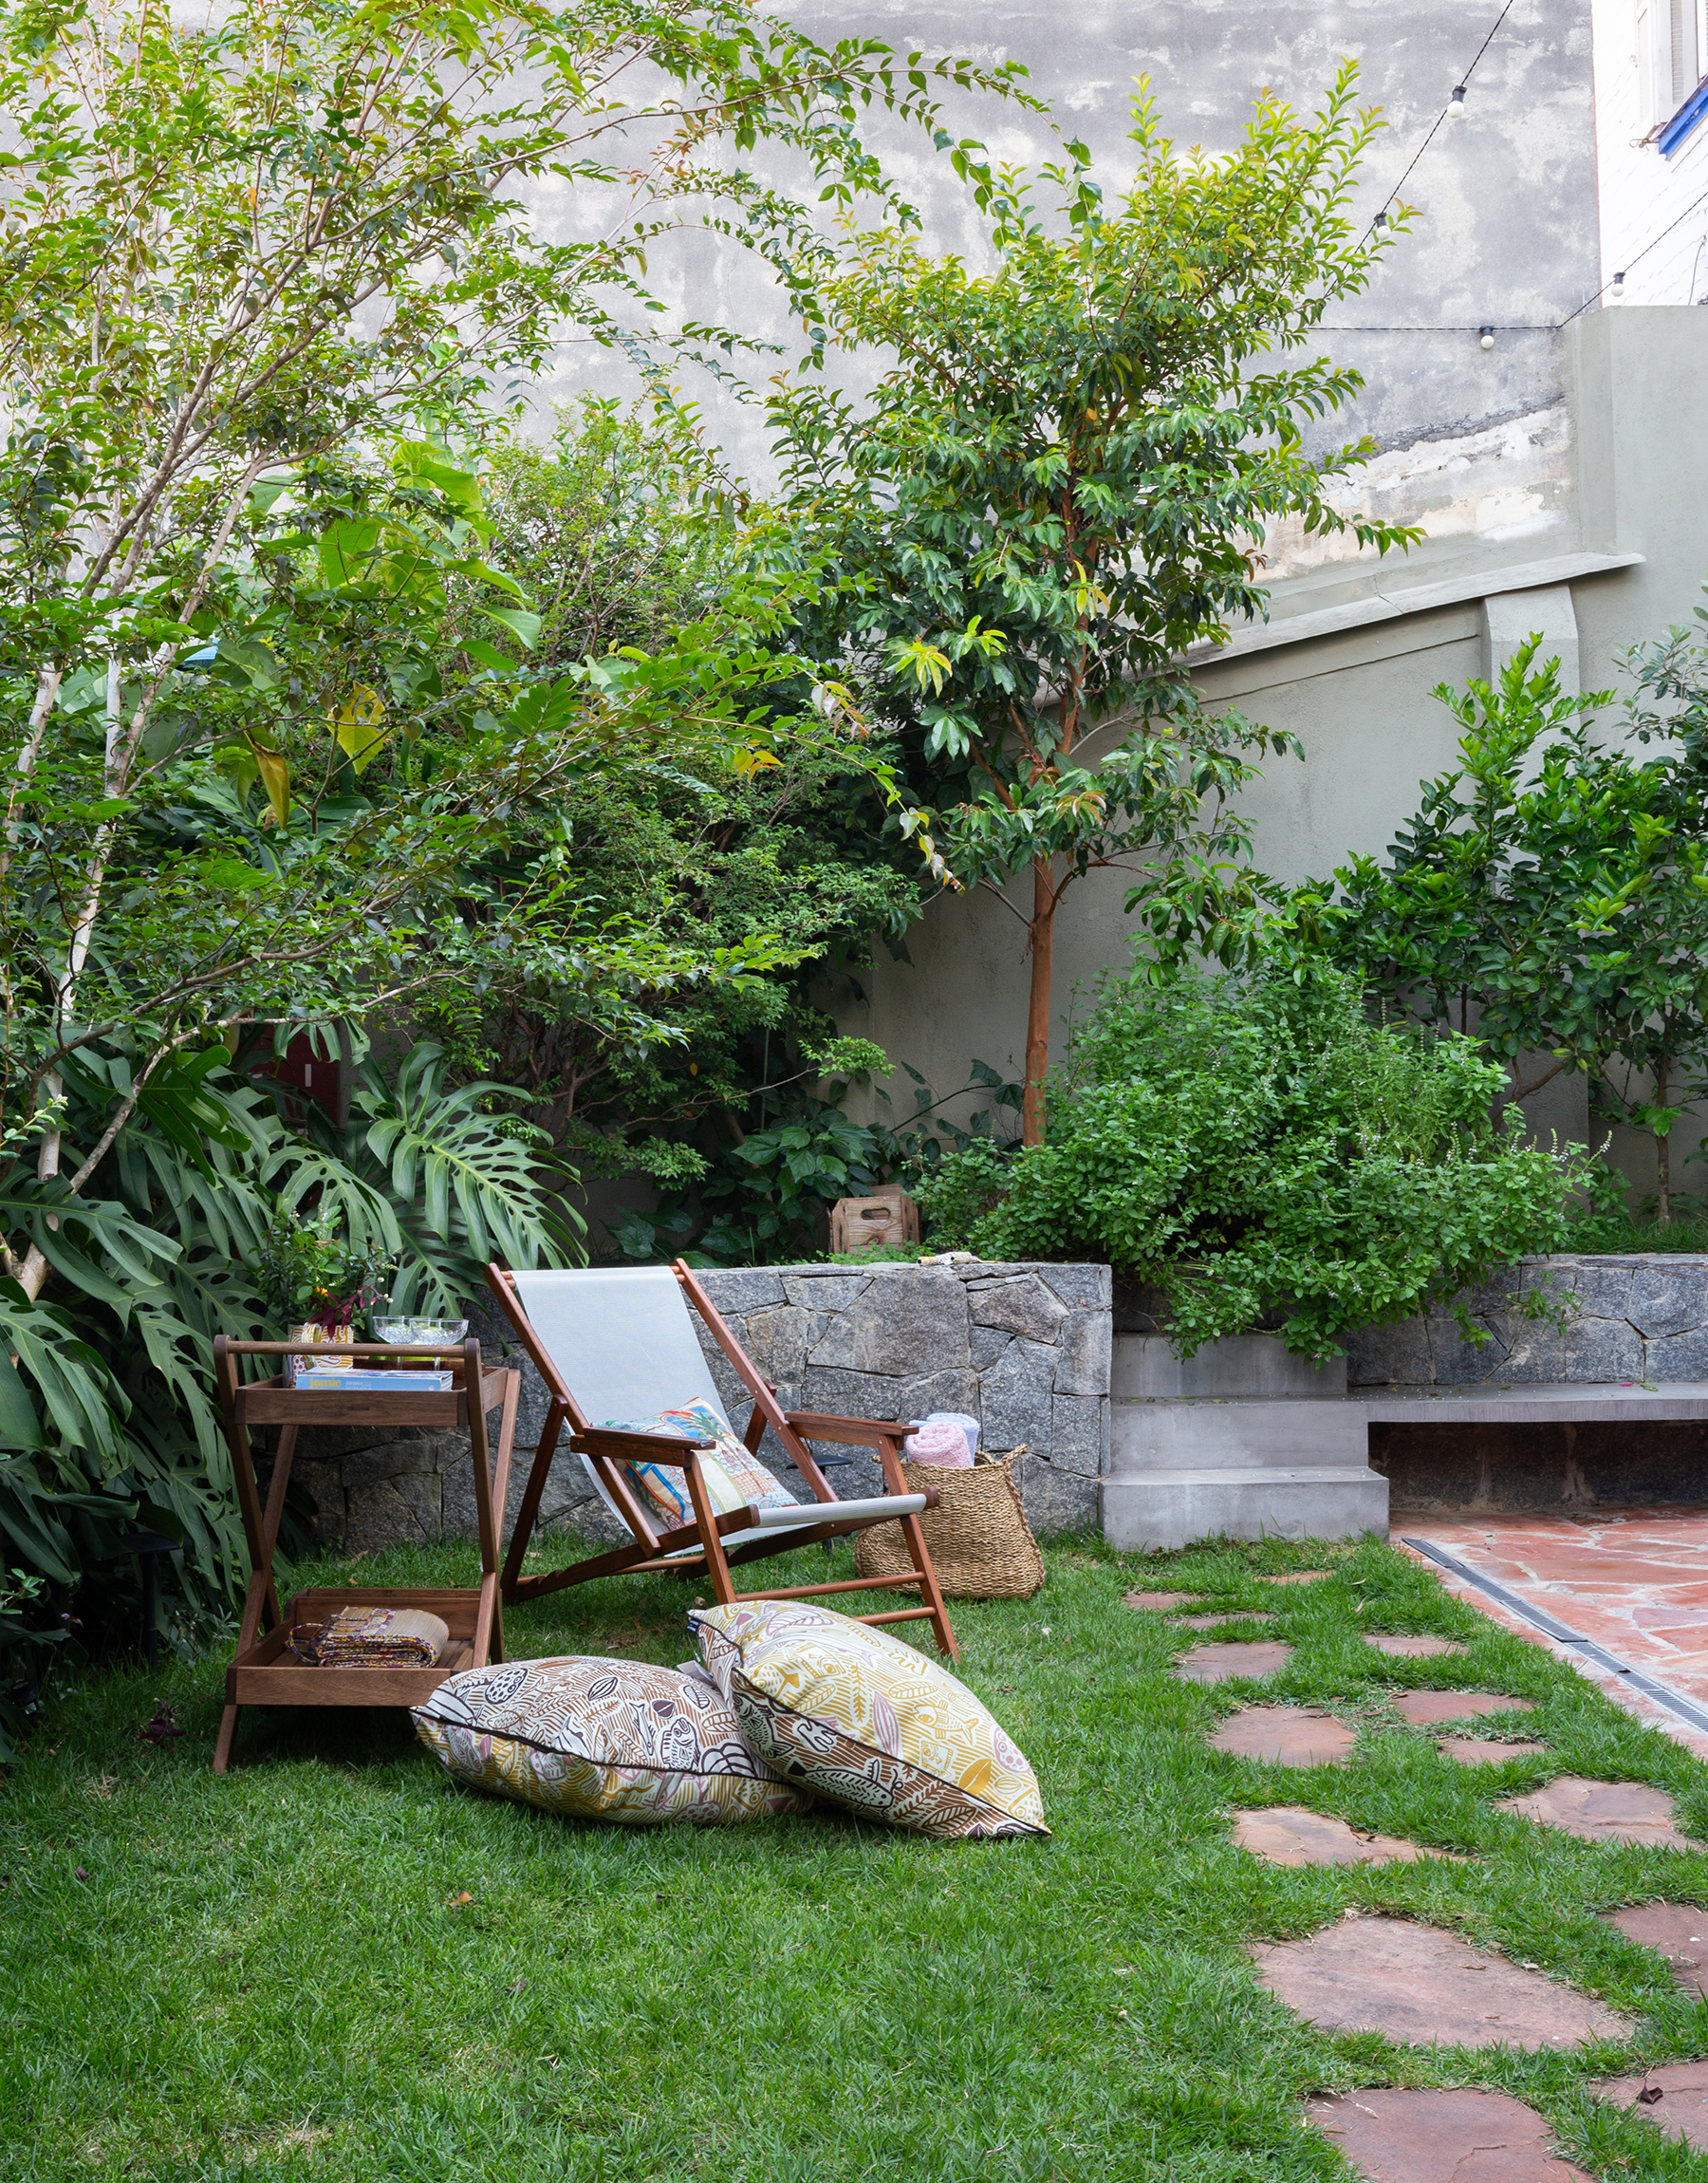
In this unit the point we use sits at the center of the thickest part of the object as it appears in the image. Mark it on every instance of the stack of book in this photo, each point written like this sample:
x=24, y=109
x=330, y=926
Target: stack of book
x=348, y=1379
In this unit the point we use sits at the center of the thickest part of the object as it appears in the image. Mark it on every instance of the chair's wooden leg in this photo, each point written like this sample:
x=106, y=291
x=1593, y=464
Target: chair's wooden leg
x=501, y=1470
x=529, y=1512
x=928, y=1586
x=717, y=1568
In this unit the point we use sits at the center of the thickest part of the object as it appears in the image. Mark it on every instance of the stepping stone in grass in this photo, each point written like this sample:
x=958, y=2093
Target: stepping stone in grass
x=1162, y=1603
x=1217, y=1663
x=1216, y=1621
x=1484, y=1750
x=1417, y=1984
x=1290, y=1835
x=1603, y=1812
x=1286, y=1736
x=1424, y=1707
x=1415, y=1648
x=1297, y=1577
x=1392, y=2136
x=1682, y=2110
x=1676, y=1931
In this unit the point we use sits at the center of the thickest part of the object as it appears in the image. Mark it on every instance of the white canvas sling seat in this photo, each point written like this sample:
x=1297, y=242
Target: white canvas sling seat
x=620, y=1343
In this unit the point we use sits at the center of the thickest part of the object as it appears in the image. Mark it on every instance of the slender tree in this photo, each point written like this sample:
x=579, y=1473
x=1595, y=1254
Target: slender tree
x=1063, y=481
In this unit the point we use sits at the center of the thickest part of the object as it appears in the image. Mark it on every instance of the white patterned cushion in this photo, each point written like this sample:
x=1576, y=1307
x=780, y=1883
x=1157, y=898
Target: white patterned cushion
x=596, y=1739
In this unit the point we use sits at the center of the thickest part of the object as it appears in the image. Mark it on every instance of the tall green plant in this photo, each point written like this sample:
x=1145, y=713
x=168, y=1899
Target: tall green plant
x=1062, y=482
x=1549, y=898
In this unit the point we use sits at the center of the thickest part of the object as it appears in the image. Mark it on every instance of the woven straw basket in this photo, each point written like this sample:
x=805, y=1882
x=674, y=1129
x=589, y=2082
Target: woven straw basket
x=981, y=1545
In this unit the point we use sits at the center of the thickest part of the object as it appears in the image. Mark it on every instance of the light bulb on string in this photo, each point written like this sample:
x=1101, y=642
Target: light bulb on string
x=1618, y=285
x=1456, y=106
x=1486, y=335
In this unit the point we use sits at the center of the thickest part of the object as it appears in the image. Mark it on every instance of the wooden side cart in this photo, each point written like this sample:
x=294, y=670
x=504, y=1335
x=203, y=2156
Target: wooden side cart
x=265, y=1672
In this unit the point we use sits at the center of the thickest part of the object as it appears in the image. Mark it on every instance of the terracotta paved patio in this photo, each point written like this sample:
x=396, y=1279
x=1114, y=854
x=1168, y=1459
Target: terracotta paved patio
x=1634, y=1579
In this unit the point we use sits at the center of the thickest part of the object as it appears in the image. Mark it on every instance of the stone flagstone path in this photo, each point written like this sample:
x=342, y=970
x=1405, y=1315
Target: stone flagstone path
x=1217, y=1663
x=1394, y=2136
x=1484, y=1751
x=1423, y=1709
x=1286, y=1736
x=1421, y=1985
x=1676, y=1931
x=1603, y=1812
x=1682, y=2110
x=1415, y=1648
x=1293, y=1834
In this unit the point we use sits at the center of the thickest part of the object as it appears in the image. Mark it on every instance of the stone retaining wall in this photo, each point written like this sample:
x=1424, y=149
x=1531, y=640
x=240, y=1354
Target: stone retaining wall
x=1025, y=1349
x=1635, y=1317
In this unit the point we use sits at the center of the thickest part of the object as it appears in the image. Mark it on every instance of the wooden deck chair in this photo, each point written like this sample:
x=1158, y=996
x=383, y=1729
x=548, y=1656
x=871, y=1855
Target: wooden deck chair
x=618, y=1342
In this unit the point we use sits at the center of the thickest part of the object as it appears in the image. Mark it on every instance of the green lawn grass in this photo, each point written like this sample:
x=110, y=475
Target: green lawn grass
x=271, y=1975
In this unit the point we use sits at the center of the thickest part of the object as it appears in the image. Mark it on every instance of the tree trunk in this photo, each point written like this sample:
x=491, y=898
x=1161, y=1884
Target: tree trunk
x=1037, y=1014
x=1662, y=1154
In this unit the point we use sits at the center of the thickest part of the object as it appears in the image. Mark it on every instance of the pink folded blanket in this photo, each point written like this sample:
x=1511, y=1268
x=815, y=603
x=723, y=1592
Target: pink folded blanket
x=942, y=1444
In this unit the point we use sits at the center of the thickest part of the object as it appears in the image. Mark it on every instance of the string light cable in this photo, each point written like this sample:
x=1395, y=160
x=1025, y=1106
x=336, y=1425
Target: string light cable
x=1455, y=104
x=1618, y=279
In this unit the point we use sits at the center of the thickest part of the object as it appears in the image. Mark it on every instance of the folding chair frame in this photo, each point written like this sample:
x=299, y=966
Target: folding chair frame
x=656, y=1551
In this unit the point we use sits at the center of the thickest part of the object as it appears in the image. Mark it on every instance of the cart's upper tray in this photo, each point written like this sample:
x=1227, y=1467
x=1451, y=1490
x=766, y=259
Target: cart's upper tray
x=270, y=1402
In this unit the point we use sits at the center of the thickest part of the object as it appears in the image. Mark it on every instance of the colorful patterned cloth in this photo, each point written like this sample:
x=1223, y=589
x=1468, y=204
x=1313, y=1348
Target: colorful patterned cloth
x=601, y=1740
x=372, y=1637
x=666, y=1486
x=864, y=1721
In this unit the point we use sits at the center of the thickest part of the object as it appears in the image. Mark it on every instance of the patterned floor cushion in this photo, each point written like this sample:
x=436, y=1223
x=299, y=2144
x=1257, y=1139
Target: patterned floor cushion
x=864, y=1721
x=664, y=1483
x=601, y=1740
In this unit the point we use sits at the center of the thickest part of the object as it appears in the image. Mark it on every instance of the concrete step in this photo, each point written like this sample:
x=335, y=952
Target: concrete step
x=1141, y=1514
x=1281, y=1432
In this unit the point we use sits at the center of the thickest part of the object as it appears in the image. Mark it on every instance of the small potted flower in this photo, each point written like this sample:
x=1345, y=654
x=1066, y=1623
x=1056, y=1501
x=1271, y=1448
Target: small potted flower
x=315, y=1282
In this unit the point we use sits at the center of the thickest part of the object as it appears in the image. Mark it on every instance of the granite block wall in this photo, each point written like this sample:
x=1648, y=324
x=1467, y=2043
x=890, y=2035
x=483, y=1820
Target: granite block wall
x=1025, y=1349
x=1633, y=1317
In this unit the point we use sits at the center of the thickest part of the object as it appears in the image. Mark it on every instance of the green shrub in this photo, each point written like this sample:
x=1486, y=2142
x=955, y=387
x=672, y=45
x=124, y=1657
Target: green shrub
x=1263, y=1154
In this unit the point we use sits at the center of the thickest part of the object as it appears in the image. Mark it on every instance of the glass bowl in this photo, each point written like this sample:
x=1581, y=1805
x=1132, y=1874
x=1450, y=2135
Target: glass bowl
x=420, y=1332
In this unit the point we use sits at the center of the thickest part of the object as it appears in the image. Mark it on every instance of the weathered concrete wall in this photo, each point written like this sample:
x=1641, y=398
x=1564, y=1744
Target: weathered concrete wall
x=1630, y=1319
x=1024, y=1349
x=1471, y=442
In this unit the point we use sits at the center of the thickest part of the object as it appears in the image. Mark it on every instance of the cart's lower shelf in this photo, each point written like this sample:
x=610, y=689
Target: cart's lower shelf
x=267, y=1675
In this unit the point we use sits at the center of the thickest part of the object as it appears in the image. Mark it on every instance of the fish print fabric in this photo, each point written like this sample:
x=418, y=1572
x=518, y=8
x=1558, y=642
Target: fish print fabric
x=864, y=1721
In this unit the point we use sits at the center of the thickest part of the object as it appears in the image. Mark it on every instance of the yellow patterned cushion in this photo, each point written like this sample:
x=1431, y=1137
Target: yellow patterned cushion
x=864, y=1721
x=598, y=1739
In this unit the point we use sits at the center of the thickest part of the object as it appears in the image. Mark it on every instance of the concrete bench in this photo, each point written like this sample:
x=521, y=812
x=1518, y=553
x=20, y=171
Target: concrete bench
x=1245, y=1442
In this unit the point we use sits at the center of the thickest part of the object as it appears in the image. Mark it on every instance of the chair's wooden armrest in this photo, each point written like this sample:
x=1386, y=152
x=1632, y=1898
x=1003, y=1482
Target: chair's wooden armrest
x=635, y=1447
x=851, y=1431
